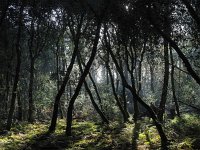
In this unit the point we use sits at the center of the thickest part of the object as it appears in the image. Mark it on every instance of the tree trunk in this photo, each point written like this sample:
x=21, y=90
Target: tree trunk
x=164, y=141
x=31, y=114
x=96, y=90
x=20, y=110
x=66, y=78
x=179, y=52
x=140, y=70
x=173, y=85
x=58, y=78
x=152, y=78
x=81, y=80
x=165, y=83
x=125, y=117
x=104, y=119
x=17, y=70
x=124, y=100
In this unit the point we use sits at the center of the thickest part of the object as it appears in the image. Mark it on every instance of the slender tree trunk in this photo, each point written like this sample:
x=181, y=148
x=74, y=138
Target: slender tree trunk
x=165, y=83
x=7, y=91
x=20, y=110
x=147, y=107
x=125, y=117
x=124, y=100
x=164, y=141
x=152, y=78
x=31, y=115
x=131, y=72
x=66, y=78
x=173, y=85
x=140, y=70
x=136, y=108
x=139, y=92
x=179, y=52
x=58, y=78
x=17, y=71
x=81, y=80
x=96, y=90
x=61, y=91
x=96, y=107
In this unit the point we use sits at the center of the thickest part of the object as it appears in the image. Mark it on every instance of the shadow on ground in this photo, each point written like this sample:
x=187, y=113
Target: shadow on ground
x=86, y=135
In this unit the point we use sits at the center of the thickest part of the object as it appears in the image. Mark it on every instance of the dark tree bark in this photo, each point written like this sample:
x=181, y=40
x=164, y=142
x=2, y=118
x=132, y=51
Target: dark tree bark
x=147, y=107
x=131, y=72
x=57, y=75
x=82, y=79
x=124, y=100
x=165, y=83
x=173, y=85
x=96, y=90
x=30, y=91
x=164, y=140
x=152, y=78
x=96, y=107
x=66, y=78
x=178, y=50
x=17, y=70
x=20, y=109
x=140, y=70
x=125, y=117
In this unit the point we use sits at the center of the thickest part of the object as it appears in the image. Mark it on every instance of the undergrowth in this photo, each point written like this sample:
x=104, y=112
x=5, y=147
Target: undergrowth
x=183, y=133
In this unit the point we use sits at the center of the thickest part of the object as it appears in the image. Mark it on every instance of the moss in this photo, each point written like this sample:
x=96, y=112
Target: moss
x=21, y=134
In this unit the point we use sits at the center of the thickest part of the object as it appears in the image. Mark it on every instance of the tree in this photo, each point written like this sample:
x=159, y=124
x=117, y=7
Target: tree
x=17, y=69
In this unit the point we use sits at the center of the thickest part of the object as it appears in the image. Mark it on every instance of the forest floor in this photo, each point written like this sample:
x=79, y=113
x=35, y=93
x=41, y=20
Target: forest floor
x=183, y=133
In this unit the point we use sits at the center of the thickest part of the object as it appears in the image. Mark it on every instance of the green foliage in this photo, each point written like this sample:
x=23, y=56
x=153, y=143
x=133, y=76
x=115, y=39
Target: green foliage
x=187, y=125
x=44, y=93
x=184, y=131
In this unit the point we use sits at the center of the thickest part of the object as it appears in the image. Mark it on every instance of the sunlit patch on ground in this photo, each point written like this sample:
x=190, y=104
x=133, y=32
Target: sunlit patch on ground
x=182, y=132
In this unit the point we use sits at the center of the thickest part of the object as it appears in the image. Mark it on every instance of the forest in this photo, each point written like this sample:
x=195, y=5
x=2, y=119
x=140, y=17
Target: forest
x=99, y=74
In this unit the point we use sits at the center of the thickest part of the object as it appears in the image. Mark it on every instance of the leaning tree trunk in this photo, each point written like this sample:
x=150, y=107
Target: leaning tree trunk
x=96, y=107
x=66, y=78
x=96, y=90
x=125, y=116
x=147, y=107
x=81, y=80
x=178, y=50
x=164, y=140
x=173, y=85
x=17, y=70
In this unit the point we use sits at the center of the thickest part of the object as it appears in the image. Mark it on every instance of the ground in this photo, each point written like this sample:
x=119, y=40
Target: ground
x=183, y=133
